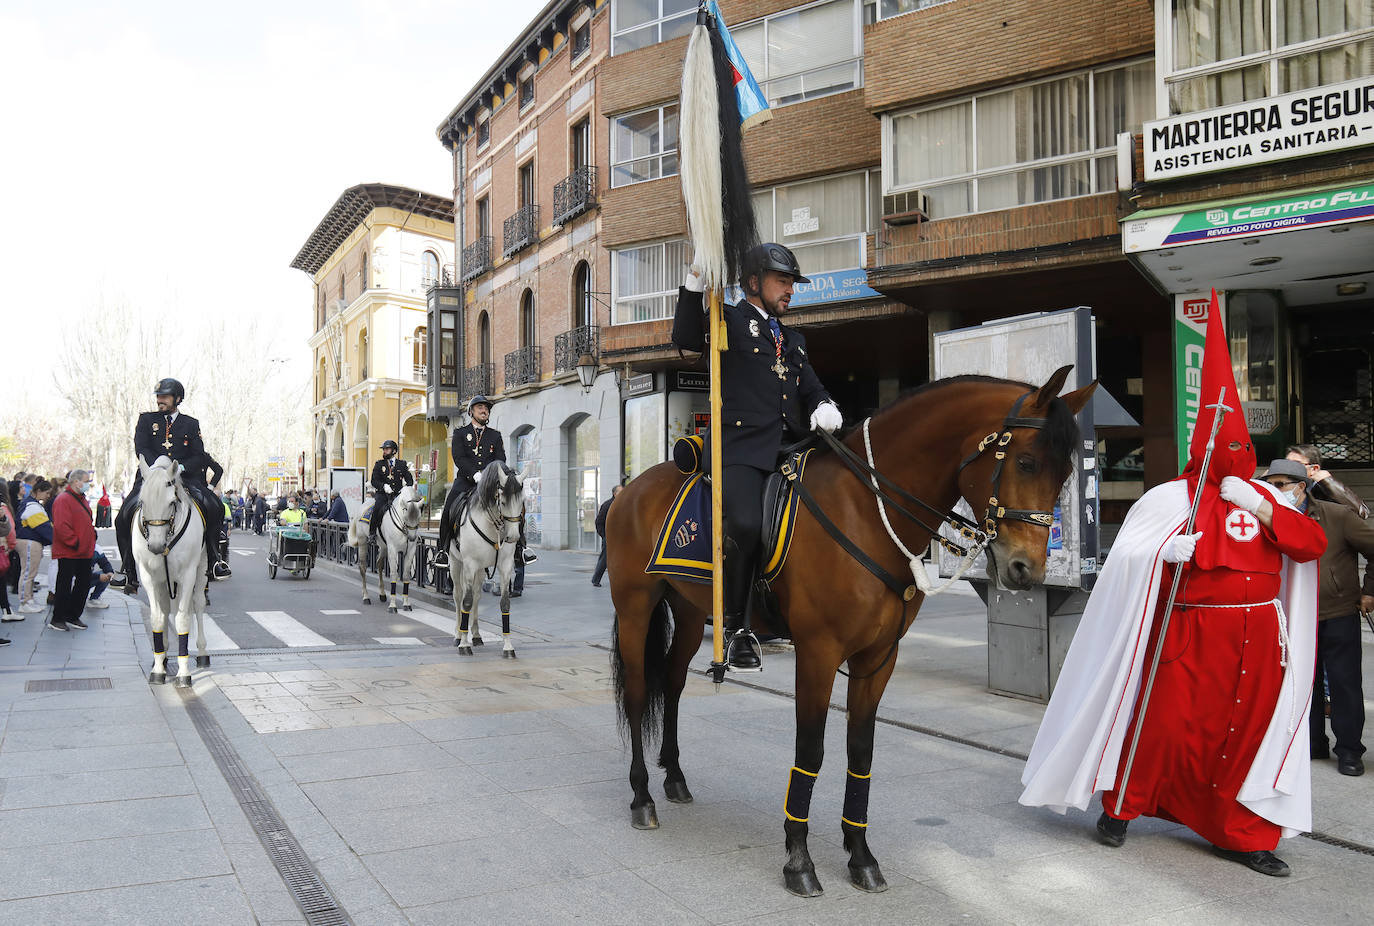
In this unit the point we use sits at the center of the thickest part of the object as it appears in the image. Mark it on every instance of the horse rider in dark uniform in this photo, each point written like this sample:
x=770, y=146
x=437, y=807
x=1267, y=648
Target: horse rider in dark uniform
x=770, y=397
x=168, y=433
x=475, y=445
x=388, y=475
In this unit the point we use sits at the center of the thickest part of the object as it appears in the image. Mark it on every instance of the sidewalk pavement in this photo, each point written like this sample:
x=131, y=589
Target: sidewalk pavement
x=425, y=788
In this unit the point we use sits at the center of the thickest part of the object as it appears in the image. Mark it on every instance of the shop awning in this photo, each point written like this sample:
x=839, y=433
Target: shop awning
x=1305, y=243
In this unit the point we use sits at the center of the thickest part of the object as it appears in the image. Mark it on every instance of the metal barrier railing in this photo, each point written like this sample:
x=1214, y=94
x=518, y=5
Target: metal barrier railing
x=330, y=537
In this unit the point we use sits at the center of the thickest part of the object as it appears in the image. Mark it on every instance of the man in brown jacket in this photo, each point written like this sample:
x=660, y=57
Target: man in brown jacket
x=1340, y=599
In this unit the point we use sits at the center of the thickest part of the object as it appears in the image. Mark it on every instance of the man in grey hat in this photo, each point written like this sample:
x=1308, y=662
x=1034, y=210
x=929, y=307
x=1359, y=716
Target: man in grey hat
x=1339, y=601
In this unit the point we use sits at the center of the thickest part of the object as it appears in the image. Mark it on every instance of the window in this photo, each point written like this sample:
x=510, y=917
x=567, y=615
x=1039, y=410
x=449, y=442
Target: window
x=1216, y=52
x=583, y=310
x=483, y=133
x=580, y=144
x=484, y=217
x=583, y=436
x=823, y=221
x=646, y=280
x=484, y=338
x=640, y=23
x=429, y=268
x=526, y=181
x=526, y=91
x=582, y=39
x=419, y=352
x=528, y=338
x=1033, y=143
x=362, y=274
x=448, y=349
x=890, y=8
x=343, y=287
x=362, y=354
x=644, y=145
x=807, y=53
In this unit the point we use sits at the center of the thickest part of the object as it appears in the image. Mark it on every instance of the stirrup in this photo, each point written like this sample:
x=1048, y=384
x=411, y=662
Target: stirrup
x=743, y=646
x=441, y=558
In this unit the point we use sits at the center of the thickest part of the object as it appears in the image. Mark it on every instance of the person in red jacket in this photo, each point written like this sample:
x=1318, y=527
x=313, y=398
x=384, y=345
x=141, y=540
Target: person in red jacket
x=73, y=546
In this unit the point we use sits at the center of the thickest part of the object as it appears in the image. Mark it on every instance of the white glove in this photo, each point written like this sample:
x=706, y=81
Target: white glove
x=826, y=417
x=1180, y=549
x=385, y=488
x=1241, y=493
x=695, y=282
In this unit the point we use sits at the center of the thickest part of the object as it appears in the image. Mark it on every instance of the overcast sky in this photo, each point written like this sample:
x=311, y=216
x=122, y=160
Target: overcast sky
x=176, y=155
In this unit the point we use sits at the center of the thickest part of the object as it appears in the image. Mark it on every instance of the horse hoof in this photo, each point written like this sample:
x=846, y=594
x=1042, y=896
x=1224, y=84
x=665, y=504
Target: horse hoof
x=868, y=878
x=202, y=662
x=507, y=654
x=391, y=609
x=802, y=883
x=465, y=651
x=676, y=791
x=157, y=678
x=367, y=601
x=644, y=818
x=409, y=607
x=183, y=681
x=382, y=599
x=478, y=641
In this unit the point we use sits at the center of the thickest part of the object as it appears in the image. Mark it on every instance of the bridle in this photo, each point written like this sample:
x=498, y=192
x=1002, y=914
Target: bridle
x=144, y=523
x=495, y=515
x=996, y=511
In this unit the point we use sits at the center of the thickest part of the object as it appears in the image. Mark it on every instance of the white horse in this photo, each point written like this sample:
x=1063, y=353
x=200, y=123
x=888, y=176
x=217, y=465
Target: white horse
x=169, y=549
x=396, y=538
x=486, y=537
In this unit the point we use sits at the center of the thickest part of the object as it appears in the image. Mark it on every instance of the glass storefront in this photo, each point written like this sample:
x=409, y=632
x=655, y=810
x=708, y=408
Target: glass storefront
x=643, y=433
x=584, y=474
x=525, y=454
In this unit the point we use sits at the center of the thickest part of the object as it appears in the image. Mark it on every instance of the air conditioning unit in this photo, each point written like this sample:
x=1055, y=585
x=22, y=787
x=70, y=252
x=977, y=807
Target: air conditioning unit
x=905, y=208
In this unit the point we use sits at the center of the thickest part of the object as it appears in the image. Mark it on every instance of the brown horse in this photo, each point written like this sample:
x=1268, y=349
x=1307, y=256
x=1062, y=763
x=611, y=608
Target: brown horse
x=1006, y=447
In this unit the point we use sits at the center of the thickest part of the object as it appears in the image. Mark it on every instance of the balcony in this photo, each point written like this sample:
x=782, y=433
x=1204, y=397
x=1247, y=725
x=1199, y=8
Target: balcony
x=476, y=259
x=523, y=366
x=478, y=380
x=520, y=230
x=570, y=345
x=574, y=194
x=419, y=372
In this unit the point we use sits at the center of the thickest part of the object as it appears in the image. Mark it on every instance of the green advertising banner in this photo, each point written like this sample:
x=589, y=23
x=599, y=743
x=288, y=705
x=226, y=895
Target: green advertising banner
x=1190, y=332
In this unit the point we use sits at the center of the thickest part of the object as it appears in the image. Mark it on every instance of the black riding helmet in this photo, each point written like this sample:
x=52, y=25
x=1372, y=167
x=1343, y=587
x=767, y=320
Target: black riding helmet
x=171, y=387
x=392, y=444
x=478, y=400
x=771, y=256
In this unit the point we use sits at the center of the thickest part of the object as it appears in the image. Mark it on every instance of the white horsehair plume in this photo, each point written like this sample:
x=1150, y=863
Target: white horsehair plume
x=699, y=145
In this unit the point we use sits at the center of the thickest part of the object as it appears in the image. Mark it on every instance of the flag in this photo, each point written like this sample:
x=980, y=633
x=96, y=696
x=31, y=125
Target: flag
x=753, y=106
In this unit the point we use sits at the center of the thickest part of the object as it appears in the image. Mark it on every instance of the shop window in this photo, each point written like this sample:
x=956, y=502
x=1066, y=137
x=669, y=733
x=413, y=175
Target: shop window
x=1033, y=143
x=1217, y=52
x=583, y=436
x=646, y=280
x=644, y=145
x=525, y=453
x=641, y=23
x=804, y=54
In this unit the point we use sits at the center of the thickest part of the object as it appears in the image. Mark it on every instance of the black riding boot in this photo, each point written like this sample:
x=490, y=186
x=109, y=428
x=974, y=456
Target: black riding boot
x=741, y=647
x=446, y=527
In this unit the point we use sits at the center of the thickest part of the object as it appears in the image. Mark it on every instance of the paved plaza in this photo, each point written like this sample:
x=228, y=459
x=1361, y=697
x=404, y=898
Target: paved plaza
x=426, y=788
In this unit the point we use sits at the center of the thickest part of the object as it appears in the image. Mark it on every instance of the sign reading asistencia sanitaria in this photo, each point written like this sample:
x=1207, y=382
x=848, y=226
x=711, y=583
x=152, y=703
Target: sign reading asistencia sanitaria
x=1238, y=219
x=1294, y=125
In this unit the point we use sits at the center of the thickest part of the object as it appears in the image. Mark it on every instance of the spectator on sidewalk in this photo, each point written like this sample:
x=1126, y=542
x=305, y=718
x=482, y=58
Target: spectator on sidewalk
x=34, y=533
x=338, y=511
x=102, y=508
x=73, y=546
x=601, y=532
x=259, y=513
x=9, y=556
x=1340, y=598
x=102, y=574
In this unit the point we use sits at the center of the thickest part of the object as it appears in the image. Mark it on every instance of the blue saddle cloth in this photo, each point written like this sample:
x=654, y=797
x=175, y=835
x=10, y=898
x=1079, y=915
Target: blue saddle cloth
x=683, y=548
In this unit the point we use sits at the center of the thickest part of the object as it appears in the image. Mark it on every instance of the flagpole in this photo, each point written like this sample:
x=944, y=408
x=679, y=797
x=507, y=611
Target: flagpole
x=715, y=339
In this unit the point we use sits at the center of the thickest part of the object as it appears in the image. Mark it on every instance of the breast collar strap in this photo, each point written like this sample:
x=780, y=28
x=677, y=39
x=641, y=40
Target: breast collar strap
x=996, y=511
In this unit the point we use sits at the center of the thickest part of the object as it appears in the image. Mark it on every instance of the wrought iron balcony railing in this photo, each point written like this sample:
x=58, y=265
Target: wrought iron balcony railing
x=520, y=230
x=476, y=258
x=570, y=345
x=574, y=194
x=478, y=380
x=523, y=366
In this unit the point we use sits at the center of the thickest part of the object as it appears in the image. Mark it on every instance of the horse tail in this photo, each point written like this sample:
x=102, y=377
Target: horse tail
x=656, y=640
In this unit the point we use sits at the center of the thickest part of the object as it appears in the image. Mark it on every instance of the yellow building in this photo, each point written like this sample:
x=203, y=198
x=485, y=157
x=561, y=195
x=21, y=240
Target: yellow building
x=372, y=259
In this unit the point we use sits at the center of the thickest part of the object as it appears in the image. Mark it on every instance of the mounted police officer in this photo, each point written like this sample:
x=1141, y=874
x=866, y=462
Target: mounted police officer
x=388, y=475
x=770, y=397
x=475, y=445
x=168, y=433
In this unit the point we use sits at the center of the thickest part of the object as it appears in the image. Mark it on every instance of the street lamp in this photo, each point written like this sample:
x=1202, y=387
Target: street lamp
x=586, y=371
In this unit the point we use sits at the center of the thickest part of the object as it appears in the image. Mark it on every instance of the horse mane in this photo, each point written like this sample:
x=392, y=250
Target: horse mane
x=489, y=484
x=1057, y=438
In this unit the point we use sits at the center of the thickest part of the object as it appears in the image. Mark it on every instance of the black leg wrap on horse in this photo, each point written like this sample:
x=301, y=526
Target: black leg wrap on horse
x=464, y=625
x=856, y=799
x=505, y=622
x=800, y=784
x=183, y=644
x=158, y=645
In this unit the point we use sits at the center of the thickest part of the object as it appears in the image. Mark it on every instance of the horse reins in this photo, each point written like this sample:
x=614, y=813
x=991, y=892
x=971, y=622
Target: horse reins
x=144, y=524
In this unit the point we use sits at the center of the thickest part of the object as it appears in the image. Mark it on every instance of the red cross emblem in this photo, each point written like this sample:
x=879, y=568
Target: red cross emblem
x=1242, y=526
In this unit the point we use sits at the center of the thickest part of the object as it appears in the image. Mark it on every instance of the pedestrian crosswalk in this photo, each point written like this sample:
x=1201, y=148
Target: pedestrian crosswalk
x=325, y=627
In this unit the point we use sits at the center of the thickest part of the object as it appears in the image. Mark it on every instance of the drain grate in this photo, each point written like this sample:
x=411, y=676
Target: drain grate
x=1340, y=843
x=299, y=875
x=67, y=684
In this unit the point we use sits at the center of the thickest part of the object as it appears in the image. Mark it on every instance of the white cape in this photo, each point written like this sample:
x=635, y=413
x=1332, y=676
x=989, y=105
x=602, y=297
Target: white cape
x=1080, y=743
